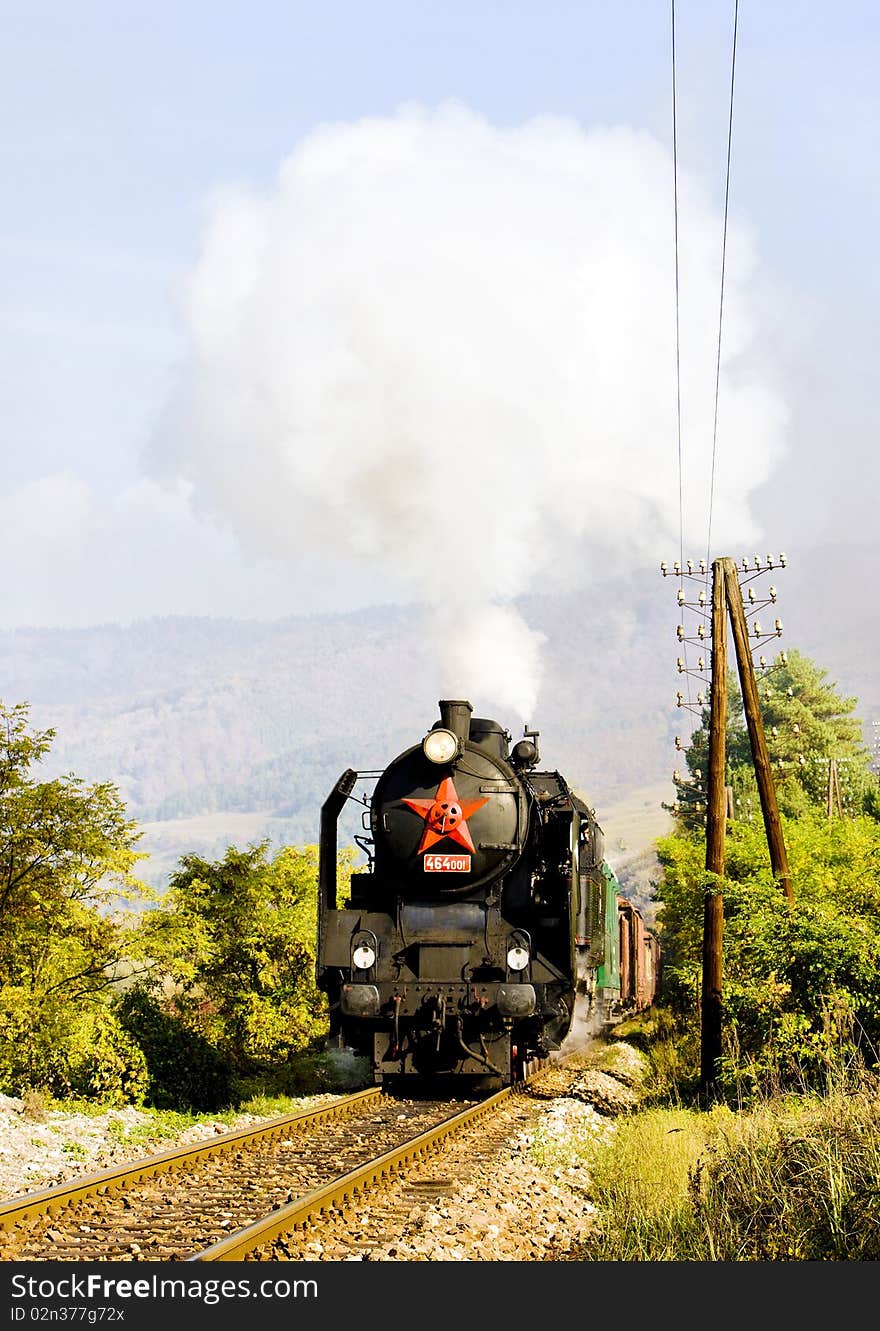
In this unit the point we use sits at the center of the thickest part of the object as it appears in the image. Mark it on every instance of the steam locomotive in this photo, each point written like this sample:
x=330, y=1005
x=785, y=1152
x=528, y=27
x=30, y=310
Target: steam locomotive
x=486, y=922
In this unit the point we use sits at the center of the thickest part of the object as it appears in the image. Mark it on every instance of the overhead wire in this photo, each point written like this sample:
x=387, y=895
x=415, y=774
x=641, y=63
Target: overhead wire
x=723, y=266
x=711, y=496
x=678, y=342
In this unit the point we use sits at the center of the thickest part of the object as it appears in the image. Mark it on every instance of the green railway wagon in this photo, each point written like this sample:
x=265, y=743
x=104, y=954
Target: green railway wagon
x=607, y=993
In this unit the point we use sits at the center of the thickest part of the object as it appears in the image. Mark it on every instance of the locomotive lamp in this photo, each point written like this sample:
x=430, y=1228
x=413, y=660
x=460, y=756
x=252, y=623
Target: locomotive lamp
x=364, y=948
x=524, y=754
x=441, y=746
x=363, y=956
x=517, y=957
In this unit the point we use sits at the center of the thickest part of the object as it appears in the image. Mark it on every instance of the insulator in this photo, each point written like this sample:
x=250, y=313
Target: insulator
x=702, y=566
x=677, y=566
x=769, y=561
x=752, y=595
x=679, y=596
x=678, y=742
x=778, y=627
x=701, y=630
x=783, y=657
x=774, y=730
x=702, y=598
x=679, y=632
x=796, y=728
x=663, y=568
x=756, y=629
x=762, y=662
x=698, y=773
x=690, y=566
x=772, y=593
x=680, y=663
x=700, y=698
x=745, y=565
x=782, y=560
x=802, y=760
x=757, y=562
x=701, y=663
x=680, y=698
x=675, y=775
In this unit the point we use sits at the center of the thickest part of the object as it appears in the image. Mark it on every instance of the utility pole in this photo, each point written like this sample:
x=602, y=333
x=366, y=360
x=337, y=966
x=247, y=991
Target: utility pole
x=716, y=813
x=834, y=789
x=727, y=600
x=760, y=757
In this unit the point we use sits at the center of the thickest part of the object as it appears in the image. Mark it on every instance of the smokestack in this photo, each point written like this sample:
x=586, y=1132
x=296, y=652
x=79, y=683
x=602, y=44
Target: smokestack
x=456, y=716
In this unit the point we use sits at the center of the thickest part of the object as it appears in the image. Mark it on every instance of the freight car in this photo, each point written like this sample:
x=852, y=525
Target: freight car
x=486, y=921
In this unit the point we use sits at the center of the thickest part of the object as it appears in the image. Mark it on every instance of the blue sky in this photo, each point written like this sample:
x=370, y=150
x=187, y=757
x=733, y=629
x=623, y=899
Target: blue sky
x=120, y=122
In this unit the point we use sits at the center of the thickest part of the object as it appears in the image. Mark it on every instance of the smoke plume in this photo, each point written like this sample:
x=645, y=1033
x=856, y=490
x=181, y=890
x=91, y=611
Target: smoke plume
x=448, y=349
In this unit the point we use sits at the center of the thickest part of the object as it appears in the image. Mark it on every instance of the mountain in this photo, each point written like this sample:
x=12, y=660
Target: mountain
x=221, y=732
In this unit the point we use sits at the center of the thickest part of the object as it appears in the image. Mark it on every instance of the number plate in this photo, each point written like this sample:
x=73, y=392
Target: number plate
x=447, y=863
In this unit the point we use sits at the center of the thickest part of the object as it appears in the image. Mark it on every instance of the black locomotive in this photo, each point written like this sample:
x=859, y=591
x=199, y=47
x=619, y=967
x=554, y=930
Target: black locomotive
x=485, y=913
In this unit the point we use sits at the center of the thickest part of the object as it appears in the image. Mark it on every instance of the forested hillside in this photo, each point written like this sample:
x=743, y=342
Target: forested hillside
x=219, y=731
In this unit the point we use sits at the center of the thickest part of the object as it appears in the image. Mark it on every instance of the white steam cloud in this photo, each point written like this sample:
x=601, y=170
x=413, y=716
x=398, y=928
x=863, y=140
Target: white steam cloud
x=449, y=349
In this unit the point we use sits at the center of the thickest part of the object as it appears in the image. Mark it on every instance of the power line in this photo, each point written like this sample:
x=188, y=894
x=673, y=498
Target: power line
x=677, y=303
x=723, y=264
x=677, y=327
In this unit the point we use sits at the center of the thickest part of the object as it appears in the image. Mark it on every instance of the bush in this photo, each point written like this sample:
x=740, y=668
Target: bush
x=103, y=1063
x=61, y=1050
x=184, y=1070
x=801, y=983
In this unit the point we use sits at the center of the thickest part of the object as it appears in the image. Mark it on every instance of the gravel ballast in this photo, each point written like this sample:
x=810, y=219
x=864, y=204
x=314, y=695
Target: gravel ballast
x=530, y=1203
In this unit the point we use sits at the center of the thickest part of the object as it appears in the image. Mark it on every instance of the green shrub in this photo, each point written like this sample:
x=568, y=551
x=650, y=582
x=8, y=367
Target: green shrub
x=184, y=1070
x=64, y=1050
x=103, y=1063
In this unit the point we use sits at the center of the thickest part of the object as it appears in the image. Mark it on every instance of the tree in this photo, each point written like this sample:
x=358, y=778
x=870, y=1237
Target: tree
x=236, y=941
x=67, y=855
x=807, y=723
x=690, y=802
x=801, y=984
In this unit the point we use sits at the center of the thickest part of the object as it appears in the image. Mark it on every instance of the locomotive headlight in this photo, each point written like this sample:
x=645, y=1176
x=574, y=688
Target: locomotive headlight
x=363, y=956
x=440, y=745
x=517, y=957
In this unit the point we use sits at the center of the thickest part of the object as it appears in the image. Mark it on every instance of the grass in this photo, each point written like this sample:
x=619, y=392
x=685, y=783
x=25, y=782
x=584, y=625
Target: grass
x=794, y=1179
x=641, y=1185
x=75, y=1150
x=334, y=1072
x=790, y=1177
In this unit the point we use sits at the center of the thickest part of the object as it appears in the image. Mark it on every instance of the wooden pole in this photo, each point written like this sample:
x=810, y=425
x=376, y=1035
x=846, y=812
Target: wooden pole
x=834, y=796
x=716, y=812
x=760, y=757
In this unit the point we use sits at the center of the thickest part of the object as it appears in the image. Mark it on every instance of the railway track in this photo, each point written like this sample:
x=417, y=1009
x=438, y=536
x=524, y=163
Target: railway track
x=285, y=1190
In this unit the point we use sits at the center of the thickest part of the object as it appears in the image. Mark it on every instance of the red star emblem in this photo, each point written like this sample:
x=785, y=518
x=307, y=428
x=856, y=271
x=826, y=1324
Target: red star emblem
x=446, y=816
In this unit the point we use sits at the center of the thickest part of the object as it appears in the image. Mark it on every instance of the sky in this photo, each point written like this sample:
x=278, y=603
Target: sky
x=312, y=307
